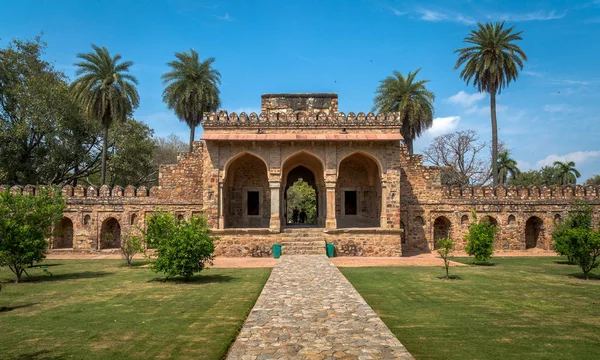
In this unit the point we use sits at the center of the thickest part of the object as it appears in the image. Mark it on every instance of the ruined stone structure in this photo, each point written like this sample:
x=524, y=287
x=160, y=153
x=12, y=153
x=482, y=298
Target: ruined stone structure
x=373, y=199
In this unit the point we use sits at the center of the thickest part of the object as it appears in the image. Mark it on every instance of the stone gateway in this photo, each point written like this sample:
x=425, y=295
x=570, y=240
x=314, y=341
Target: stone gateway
x=373, y=198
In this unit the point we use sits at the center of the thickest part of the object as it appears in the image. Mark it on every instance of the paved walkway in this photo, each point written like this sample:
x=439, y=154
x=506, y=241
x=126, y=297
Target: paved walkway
x=308, y=310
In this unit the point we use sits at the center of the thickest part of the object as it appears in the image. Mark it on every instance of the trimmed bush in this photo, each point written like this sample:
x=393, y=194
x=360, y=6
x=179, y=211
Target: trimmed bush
x=130, y=246
x=182, y=247
x=480, y=240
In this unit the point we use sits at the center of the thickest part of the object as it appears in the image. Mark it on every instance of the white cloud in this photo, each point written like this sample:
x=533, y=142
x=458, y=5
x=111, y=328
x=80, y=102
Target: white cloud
x=397, y=12
x=555, y=108
x=539, y=15
x=442, y=125
x=523, y=165
x=579, y=157
x=437, y=16
x=247, y=110
x=464, y=99
x=484, y=110
x=225, y=17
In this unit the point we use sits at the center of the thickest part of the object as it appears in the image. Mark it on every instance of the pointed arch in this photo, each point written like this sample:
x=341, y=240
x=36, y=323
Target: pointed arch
x=63, y=234
x=233, y=159
x=110, y=234
x=441, y=229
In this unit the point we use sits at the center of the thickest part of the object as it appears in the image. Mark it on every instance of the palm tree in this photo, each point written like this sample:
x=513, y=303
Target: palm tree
x=410, y=99
x=191, y=88
x=105, y=90
x=491, y=62
x=566, y=172
x=506, y=166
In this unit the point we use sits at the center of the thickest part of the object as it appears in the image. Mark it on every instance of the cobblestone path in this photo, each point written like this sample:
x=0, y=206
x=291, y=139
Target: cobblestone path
x=308, y=310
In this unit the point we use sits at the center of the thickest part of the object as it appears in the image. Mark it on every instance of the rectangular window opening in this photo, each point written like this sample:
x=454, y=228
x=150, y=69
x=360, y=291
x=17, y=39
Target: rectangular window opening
x=253, y=203
x=350, y=203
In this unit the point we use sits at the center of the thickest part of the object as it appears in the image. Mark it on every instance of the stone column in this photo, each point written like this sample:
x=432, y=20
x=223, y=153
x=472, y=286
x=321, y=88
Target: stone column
x=330, y=220
x=275, y=222
x=383, y=208
x=221, y=205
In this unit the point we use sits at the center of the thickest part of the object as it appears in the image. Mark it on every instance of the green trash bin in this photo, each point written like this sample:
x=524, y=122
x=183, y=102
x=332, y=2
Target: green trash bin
x=277, y=251
x=330, y=250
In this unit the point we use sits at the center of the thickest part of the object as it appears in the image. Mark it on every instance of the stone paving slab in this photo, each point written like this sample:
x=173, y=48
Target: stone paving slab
x=308, y=310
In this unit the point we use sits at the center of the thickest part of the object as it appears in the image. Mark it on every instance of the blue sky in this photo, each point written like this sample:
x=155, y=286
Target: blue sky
x=550, y=113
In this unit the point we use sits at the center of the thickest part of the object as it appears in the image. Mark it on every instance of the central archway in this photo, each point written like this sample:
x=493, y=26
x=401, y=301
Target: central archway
x=308, y=168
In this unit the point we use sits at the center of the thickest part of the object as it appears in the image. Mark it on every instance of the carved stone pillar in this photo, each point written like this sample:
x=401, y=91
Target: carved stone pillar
x=221, y=206
x=330, y=221
x=275, y=222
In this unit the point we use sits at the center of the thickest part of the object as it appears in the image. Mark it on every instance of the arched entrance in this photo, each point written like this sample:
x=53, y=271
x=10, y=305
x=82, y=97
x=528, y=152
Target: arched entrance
x=63, y=234
x=306, y=170
x=246, y=194
x=533, y=232
x=110, y=235
x=358, y=192
x=441, y=229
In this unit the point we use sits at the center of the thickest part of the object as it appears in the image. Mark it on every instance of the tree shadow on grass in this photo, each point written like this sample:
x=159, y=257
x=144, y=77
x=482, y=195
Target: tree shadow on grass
x=40, y=266
x=483, y=264
x=563, y=262
x=450, y=277
x=38, y=355
x=580, y=276
x=196, y=279
x=67, y=276
x=11, y=308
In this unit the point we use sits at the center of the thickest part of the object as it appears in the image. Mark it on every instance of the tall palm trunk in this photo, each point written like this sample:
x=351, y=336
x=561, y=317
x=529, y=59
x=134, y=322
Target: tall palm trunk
x=192, y=135
x=104, y=153
x=494, y=137
x=409, y=145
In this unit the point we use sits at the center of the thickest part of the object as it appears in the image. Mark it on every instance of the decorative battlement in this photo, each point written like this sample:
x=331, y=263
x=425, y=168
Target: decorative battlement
x=555, y=192
x=298, y=119
x=91, y=191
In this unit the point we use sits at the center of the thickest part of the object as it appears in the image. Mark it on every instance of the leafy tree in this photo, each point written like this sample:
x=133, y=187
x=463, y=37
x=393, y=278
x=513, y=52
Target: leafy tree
x=167, y=148
x=182, y=247
x=409, y=98
x=566, y=172
x=105, y=90
x=25, y=223
x=594, y=180
x=444, y=248
x=506, y=166
x=44, y=137
x=131, y=244
x=547, y=175
x=480, y=239
x=301, y=197
x=565, y=241
x=582, y=247
x=191, y=88
x=491, y=62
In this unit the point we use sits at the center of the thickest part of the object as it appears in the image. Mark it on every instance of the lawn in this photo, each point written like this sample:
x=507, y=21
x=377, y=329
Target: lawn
x=520, y=308
x=100, y=309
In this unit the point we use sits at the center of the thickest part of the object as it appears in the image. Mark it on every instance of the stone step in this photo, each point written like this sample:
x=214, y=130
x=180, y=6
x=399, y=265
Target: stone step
x=303, y=247
x=302, y=230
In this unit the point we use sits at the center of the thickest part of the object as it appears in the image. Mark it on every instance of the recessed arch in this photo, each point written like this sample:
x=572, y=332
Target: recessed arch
x=358, y=191
x=110, y=234
x=365, y=154
x=233, y=159
x=492, y=220
x=307, y=159
x=63, y=234
x=464, y=220
x=534, y=228
x=441, y=229
x=511, y=219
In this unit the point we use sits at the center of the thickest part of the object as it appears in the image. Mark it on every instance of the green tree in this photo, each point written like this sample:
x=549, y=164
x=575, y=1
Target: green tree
x=444, y=248
x=506, y=166
x=182, y=247
x=594, y=180
x=301, y=197
x=491, y=62
x=25, y=223
x=565, y=241
x=480, y=240
x=191, y=88
x=566, y=172
x=44, y=137
x=409, y=98
x=547, y=175
x=105, y=90
x=131, y=244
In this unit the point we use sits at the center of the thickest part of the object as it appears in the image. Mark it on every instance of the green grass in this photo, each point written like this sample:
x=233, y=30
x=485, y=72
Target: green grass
x=100, y=309
x=520, y=308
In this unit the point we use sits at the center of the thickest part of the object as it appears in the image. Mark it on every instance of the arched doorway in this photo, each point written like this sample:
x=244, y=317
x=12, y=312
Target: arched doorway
x=306, y=170
x=533, y=232
x=246, y=194
x=441, y=229
x=110, y=235
x=358, y=192
x=492, y=220
x=63, y=234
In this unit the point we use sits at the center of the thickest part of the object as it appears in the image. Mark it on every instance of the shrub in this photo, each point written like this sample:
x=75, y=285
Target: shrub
x=580, y=217
x=583, y=246
x=444, y=248
x=480, y=240
x=131, y=245
x=182, y=247
x=25, y=223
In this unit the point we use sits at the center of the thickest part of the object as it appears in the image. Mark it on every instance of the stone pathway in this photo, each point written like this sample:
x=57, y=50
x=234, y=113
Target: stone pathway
x=308, y=310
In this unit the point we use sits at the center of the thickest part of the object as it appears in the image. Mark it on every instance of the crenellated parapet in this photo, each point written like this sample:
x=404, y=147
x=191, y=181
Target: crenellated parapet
x=91, y=192
x=531, y=193
x=223, y=119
